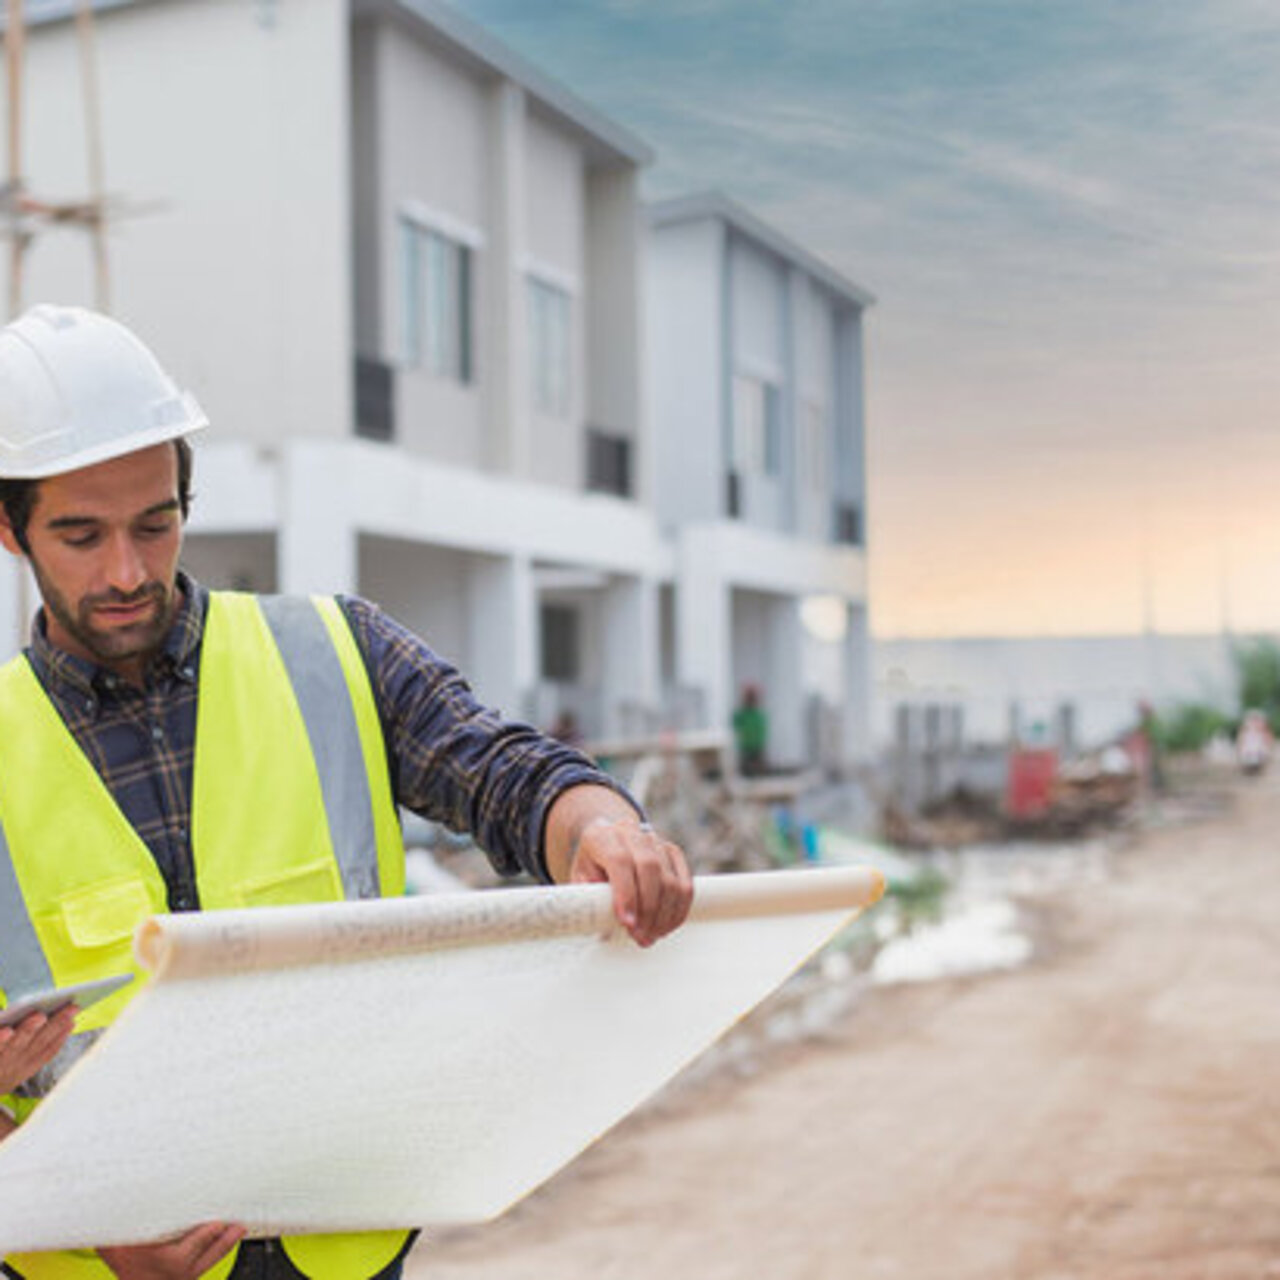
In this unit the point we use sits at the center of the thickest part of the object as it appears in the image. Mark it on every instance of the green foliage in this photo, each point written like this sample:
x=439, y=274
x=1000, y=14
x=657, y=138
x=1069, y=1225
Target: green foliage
x=1258, y=675
x=922, y=897
x=1190, y=727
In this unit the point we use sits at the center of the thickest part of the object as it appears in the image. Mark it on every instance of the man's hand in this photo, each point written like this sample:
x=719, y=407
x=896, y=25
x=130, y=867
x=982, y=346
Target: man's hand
x=186, y=1258
x=594, y=836
x=26, y=1048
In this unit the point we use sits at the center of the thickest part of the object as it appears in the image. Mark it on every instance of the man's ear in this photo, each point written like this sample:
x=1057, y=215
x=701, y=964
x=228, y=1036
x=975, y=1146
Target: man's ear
x=8, y=537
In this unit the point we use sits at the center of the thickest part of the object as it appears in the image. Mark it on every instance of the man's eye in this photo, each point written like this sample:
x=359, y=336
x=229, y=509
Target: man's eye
x=80, y=539
x=155, y=530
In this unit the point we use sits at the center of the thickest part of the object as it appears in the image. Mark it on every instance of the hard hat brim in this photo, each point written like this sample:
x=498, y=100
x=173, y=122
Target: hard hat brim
x=107, y=450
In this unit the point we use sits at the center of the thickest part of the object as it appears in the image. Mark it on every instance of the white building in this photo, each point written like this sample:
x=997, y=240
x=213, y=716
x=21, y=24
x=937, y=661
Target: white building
x=1078, y=692
x=756, y=375
x=402, y=270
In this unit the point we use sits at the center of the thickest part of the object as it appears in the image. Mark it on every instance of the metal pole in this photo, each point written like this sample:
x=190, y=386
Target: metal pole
x=93, y=141
x=15, y=29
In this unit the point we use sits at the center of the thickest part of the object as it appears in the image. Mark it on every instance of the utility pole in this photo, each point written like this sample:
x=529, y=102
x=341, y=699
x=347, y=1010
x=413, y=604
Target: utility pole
x=95, y=211
x=22, y=211
x=14, y=50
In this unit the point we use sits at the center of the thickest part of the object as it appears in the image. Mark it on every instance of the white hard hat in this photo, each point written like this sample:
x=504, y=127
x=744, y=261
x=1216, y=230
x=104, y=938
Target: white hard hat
x=78, y=388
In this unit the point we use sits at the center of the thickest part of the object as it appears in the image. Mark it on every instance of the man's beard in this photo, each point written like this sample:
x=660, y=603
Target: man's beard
x=106, y=646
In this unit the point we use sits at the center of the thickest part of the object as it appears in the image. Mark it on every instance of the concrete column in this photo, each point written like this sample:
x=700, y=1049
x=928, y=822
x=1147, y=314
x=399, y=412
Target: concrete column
x=19, y=600
x=703, y=654
x=612, y=308
x=794, y=296
x=784, y=686
x=502, y=618
x=856, y=712
x=629, y=674
x=504, y=362
x=316, y=550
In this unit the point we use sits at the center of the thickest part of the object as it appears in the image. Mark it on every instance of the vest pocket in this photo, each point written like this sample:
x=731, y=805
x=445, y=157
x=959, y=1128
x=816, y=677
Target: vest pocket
x=316, y=882
x=105, y=915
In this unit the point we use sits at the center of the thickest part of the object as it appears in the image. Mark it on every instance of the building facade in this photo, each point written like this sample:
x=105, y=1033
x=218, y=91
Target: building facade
x=755, y=355
x=405, y=272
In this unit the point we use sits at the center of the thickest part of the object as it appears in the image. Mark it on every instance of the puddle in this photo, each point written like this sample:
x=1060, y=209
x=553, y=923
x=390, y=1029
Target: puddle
x=979, y=938
x=981, y=929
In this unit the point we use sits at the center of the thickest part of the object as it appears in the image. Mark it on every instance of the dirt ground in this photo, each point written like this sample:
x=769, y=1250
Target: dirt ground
x=1110, y=1111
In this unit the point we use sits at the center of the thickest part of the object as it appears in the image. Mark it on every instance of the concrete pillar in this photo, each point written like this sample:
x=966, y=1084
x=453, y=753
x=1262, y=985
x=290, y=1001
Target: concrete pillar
x=504, y=363
x=19, y=600
x=703, y=654
x=856, y=712
x=793, y=300
x=316, y=550
x=612, y=310
x=784, y=695
x=502, y=622
x=629, y=670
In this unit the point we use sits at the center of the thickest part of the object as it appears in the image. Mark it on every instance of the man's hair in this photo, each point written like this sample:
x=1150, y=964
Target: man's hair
x=18, y=497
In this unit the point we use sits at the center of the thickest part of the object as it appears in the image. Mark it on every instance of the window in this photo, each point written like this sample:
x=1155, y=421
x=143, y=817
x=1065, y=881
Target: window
x=437, y=276
x=847, y=524
x=757, y=426
x=549, y=348
x=375, y=399
x=814, y=454
x=608, y=463
x=732, y=494
x=560, y=658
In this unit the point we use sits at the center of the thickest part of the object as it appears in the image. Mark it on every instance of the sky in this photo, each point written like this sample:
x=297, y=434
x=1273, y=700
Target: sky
x=1069, y=213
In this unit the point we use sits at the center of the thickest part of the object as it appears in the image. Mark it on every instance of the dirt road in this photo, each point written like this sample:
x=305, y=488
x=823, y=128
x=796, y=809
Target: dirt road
x=1109, y=1112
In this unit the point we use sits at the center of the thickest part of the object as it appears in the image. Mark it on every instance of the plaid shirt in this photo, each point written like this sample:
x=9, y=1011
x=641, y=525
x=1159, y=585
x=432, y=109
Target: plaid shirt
x=452, y=760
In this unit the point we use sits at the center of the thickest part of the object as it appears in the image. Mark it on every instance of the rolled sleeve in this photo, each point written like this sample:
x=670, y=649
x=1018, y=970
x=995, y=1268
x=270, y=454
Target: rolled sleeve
x=455, y=761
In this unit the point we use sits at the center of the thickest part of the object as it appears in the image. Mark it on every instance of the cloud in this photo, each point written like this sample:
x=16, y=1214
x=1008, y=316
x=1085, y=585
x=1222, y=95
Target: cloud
x=1069, y=212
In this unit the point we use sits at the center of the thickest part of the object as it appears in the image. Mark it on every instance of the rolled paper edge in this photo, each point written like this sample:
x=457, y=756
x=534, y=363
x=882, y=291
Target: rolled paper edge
x=246, y=939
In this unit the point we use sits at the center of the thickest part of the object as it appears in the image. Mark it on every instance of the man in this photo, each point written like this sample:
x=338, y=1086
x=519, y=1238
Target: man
x=751, y=732
x=163, y=747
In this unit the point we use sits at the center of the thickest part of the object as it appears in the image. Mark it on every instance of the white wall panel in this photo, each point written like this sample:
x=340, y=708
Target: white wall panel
x=758, y=292
x=228, y=137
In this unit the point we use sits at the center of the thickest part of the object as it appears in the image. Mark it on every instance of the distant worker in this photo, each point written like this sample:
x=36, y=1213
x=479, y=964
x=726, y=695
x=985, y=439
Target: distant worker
x=1254, y=742
x=164, y=747
x=751, y=732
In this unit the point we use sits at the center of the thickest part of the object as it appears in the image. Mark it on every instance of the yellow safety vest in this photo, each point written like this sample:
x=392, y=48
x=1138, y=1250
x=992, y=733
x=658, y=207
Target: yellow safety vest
x=292, y=803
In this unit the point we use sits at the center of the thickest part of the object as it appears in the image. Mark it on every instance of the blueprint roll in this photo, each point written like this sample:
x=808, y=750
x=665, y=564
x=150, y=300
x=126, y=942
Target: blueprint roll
x=377, y=1065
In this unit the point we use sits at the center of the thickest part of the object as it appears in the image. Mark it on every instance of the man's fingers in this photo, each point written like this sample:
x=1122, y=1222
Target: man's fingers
x=663, y=886
x=648, y=876
x=677, y=895
x=185, y=1258
x=47, y=1039
x=26, y=1048
x=210, y=1243
x=651, y=876
x=623, y=880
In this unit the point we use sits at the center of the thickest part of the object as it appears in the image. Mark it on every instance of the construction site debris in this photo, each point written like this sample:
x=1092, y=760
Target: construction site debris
x=1091, y=793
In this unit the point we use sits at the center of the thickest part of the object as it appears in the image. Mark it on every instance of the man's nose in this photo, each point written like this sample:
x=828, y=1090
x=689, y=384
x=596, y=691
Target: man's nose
x=125, y=570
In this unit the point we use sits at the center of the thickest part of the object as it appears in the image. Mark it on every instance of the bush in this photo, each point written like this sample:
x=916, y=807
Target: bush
x=1258, y=673
x=1190, y=727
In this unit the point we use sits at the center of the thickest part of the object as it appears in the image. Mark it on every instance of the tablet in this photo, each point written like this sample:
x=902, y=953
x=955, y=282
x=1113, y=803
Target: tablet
x=82, y=995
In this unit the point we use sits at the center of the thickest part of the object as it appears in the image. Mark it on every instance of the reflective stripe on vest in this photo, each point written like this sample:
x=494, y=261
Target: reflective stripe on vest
x=320, y=685
x=285, y=716
x=23, y=968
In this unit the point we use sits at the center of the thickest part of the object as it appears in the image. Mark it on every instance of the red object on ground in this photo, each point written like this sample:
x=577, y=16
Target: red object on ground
x=1032, y=774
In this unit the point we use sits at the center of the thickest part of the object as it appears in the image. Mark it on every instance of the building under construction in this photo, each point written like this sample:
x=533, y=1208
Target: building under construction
x=610, y=459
